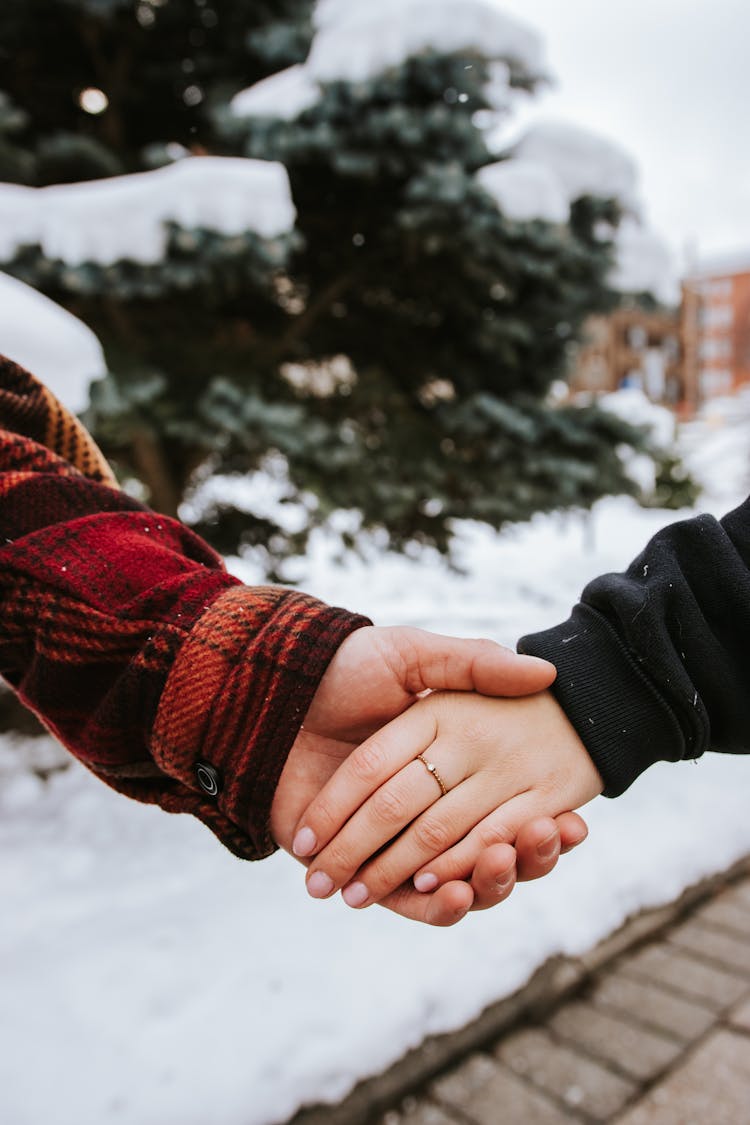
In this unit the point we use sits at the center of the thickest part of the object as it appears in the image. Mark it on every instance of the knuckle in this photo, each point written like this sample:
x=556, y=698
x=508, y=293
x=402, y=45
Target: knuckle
x=388, y=807
x=367, y=764
x=411, y=663
x=490, y=834
x=382, y=879
x=402, y=901
x=449, y=866
x=322, y=817
x=432, y=834
x=337, y=860
x=487, y=647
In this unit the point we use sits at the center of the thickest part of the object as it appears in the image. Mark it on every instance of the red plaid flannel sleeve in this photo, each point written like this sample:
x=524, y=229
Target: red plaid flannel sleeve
x=121, y=629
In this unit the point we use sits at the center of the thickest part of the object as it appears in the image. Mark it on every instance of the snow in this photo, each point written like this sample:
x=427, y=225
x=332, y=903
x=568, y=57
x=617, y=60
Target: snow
x=284, y=95
x=329, y=12
x=358, y=40
x=126, y=217
x=644, y=263
x=497, y=91
x=355, y=42
x=148, y=978
x=525, y=190
x=631, y=404
x=56, y=346
x=584, y=162
x=553, y=164
x=634, y=406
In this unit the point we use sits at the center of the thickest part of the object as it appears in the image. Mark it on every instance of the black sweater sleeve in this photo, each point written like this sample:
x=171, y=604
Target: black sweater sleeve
x=654, y=664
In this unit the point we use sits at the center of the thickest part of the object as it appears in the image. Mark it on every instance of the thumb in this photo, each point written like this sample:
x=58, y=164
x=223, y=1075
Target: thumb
x=430, y=660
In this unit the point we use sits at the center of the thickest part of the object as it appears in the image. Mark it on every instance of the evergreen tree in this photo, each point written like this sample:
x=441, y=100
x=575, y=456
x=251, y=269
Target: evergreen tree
x=162, y=65
x=393, y=356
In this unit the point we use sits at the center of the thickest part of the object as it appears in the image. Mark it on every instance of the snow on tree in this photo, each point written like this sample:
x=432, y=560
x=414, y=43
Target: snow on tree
x=554, y=164
x=583, y=162
x=46, y=339
x=128, y=217
x=643, y=264
x=358, y=41
x=525, y=190
x=284, y=95
x=393, y=352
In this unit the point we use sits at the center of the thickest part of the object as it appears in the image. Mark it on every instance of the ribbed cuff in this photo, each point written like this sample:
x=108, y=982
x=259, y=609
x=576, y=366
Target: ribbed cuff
x=234, y=702
x=621, y=718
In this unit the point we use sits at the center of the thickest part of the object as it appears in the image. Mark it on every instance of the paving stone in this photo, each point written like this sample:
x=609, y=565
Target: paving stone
x=727, y=913
x=715, y=945
x=487, y=1093
x=637, y=930
x=694, y=979
x=419, y=1112
x=740, y=1017
x=574, y=1078
x=652, y=1005
x=634, y=1050
x=712, y=1087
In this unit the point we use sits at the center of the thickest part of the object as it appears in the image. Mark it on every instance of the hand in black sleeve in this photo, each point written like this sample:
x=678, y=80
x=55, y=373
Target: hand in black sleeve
x=653, y=664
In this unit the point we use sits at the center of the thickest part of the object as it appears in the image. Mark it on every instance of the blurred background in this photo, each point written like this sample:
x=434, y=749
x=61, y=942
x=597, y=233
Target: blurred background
x=436, y=308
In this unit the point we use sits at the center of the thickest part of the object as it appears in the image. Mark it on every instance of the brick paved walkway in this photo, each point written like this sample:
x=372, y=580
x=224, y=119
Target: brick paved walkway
x=652, y=1027
x=660, y=1036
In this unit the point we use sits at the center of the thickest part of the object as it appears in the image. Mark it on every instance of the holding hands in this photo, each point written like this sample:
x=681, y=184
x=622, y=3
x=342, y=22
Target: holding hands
x=430, y=793
x=508, y=767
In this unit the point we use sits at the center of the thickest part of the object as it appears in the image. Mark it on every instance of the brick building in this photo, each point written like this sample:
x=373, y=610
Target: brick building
x=716, y=326
x=681, y=357
x=631, y=346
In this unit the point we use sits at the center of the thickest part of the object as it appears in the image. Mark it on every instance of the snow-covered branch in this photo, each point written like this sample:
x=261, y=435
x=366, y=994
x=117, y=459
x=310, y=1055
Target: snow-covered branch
x=127, y=217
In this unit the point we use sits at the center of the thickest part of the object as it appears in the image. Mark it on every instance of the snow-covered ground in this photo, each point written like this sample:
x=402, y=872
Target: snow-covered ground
x=149, y=978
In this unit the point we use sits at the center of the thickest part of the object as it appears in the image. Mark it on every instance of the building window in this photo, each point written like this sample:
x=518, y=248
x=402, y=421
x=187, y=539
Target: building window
x=718, y=289
x=716, y=347
x=717, y=316
x=717, y=381
x=637, y=337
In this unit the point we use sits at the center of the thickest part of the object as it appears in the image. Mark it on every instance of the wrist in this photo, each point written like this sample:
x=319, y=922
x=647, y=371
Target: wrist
x=619, y=715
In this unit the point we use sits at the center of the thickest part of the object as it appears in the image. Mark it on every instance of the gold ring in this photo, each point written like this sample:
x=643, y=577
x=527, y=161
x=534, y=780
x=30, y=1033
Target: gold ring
x=432, y=768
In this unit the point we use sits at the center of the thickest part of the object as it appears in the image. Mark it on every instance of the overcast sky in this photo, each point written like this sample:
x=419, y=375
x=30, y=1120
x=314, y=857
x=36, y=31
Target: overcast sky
x=669, y=80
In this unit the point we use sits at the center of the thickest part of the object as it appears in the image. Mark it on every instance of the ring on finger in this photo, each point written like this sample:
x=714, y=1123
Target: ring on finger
x=432, y=768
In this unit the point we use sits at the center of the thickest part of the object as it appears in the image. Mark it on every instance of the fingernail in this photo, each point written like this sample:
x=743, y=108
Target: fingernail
x=548, y=847
x=319, y=885
x=426, y=882
x=304, y=842
x=504, y=881
x=356, y=894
